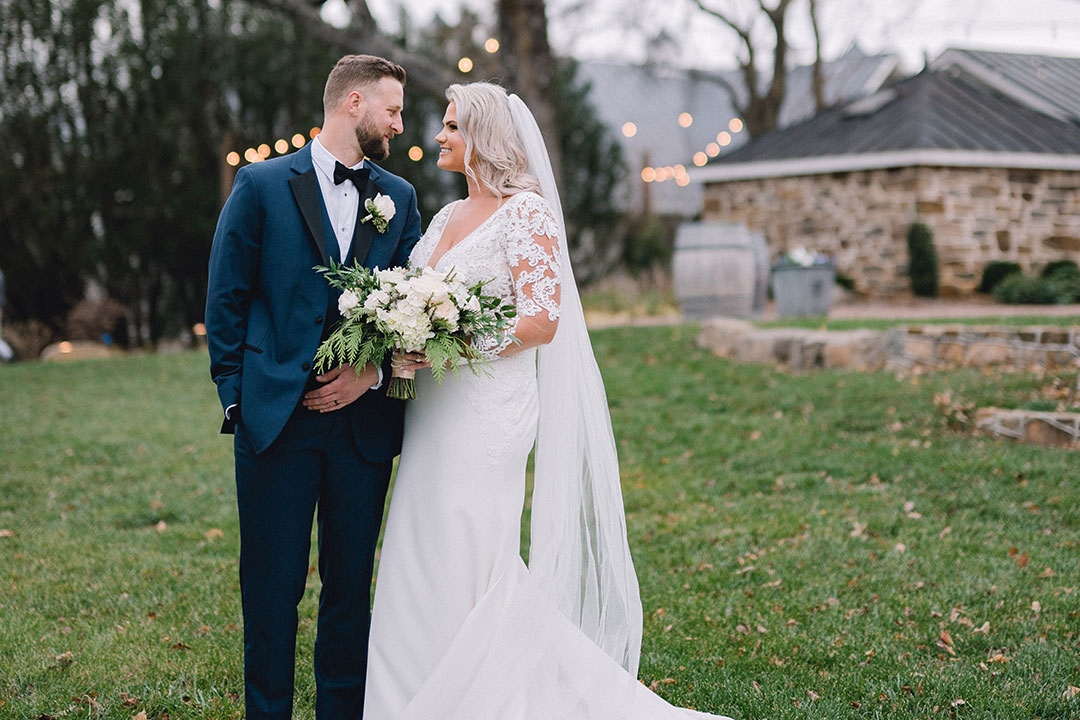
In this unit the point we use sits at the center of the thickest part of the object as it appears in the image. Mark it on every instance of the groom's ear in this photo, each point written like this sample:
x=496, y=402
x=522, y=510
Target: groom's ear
x=354, y=101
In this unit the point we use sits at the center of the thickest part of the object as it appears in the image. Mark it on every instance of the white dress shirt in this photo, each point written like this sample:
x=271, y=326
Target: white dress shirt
x=342, y=201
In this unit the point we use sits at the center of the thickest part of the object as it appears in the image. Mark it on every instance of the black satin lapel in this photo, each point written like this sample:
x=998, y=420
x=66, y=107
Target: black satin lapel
x=363, y=232
x=305, y=189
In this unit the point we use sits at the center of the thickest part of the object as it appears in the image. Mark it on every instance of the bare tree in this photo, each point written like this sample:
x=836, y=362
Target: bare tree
x=363, y=36
x=760, y=106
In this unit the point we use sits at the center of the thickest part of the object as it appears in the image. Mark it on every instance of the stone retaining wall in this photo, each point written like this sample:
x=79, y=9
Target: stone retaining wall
x=900, y=347
x=982, y=346
x=1057, y=429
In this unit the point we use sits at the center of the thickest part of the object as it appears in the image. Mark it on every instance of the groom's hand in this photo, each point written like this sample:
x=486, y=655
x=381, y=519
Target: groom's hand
x=343, y=386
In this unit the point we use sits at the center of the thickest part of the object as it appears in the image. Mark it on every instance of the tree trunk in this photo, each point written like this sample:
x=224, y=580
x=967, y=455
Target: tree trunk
x=818, y=77
x=528, y=66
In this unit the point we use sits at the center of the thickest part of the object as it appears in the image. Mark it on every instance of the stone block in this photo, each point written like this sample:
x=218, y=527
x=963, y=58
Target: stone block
x=919, y=349
x=983, y=354
x=950, y=353
x=721, y=335
x=1038, y=431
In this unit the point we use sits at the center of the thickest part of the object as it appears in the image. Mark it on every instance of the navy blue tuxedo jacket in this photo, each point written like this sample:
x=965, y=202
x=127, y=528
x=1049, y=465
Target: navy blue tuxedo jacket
x=267, y=309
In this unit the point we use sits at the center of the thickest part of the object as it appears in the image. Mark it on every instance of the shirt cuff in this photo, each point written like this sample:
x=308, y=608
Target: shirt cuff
x=378, y=383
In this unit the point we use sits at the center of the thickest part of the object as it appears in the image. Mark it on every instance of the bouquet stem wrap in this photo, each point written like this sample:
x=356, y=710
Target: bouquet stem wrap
x=402, y=381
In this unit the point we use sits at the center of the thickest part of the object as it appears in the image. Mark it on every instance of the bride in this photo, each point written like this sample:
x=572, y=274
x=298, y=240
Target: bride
x=461, y=628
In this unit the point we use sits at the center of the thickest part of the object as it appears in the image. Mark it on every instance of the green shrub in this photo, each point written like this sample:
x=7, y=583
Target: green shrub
x=1062, y=268
x=922, y=261
x=1021, y=289
x=1066, y=286
x=995, y=272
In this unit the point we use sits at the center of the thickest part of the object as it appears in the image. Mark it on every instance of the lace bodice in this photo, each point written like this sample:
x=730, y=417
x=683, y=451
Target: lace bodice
x=516, y=249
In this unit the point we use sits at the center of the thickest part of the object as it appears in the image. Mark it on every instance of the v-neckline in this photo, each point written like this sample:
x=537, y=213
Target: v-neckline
x=467, y=235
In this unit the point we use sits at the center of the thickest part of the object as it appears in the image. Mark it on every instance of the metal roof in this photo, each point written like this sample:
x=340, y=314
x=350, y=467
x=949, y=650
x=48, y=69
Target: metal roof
x=1046, y=83
x=939, y=110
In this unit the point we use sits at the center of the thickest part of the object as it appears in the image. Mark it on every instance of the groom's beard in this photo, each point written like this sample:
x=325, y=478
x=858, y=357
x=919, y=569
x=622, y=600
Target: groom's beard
x=372, y=142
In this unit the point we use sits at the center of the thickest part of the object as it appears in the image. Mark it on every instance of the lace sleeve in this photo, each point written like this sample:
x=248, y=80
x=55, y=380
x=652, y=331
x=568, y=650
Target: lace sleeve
x=532, y=253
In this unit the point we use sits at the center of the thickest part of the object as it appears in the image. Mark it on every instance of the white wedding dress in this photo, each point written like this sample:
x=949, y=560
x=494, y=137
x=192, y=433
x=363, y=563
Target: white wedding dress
x=461, y=629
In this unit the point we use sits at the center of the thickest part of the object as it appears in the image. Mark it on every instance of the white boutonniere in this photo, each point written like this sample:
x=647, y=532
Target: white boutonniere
x=380, y=211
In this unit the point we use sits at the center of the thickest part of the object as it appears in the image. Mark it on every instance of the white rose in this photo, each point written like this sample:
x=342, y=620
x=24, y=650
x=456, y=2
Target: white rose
x=376, y=299
x=446, y=310
x=384, y=206
x=347, y=302
x=431, y=285
x=391, y=277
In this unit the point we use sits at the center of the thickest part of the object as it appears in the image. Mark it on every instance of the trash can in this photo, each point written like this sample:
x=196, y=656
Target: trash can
x=803, y=291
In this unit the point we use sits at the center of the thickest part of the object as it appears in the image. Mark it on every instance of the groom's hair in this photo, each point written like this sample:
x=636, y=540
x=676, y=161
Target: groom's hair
x=354, y=72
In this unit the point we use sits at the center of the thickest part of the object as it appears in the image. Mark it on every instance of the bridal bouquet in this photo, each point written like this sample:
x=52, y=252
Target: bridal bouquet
x=411, y=311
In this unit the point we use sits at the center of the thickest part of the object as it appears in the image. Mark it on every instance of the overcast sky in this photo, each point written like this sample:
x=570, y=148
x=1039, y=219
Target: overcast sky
x=626, y=29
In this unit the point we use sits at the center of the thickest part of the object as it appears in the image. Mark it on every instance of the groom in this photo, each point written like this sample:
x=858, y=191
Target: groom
x=305, y=441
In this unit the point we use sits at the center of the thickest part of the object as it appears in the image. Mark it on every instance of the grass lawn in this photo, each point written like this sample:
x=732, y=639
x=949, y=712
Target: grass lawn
x=818, y=546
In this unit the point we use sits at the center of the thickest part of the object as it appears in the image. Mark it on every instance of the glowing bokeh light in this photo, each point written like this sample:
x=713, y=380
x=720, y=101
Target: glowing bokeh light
x=314, y=132
x=724, y=138
x=629, y=129
x=250, y=154
x=700, y=158
x=416, y=153
x=233, y=158
x=736, y=125
x=492, y=45
x=465, y=65
x=686, y=119
x=712, y=149
x=648, y=174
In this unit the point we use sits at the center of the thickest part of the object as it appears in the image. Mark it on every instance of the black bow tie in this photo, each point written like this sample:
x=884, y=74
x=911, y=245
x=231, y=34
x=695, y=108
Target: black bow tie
x=359, y=177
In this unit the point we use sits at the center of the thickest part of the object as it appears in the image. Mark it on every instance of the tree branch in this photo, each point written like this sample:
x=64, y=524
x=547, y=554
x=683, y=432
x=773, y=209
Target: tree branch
x=429, y=78
x=818, y=81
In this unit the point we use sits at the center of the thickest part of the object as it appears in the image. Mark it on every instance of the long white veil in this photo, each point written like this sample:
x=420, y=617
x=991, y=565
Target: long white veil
x=579, y=553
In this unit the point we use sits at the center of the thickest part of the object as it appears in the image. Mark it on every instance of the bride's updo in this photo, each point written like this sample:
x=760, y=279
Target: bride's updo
x=494, y=155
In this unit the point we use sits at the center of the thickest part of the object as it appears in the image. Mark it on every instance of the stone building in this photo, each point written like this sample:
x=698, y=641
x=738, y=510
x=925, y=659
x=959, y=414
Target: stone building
x=987, y=157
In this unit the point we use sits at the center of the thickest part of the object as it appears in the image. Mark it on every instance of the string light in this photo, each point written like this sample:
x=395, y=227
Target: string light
x=298, y=141
x=465, y=65
x=251, y=154
x=700, y=158
x=686, y=119
x=712, y=149
x=735, y=125
x=264, y=151
x=492, y=45
x=416, y=153
x=648, y=174
x=682, y=180
x=314, y=133
x=724, y=138
x=233, y=158
x=629, y=129
x=281, y=146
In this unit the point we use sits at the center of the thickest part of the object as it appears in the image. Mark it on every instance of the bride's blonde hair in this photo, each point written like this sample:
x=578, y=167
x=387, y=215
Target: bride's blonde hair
x=494, y=155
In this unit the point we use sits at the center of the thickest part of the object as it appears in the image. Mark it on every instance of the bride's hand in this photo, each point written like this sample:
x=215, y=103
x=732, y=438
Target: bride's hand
x=409, y=361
